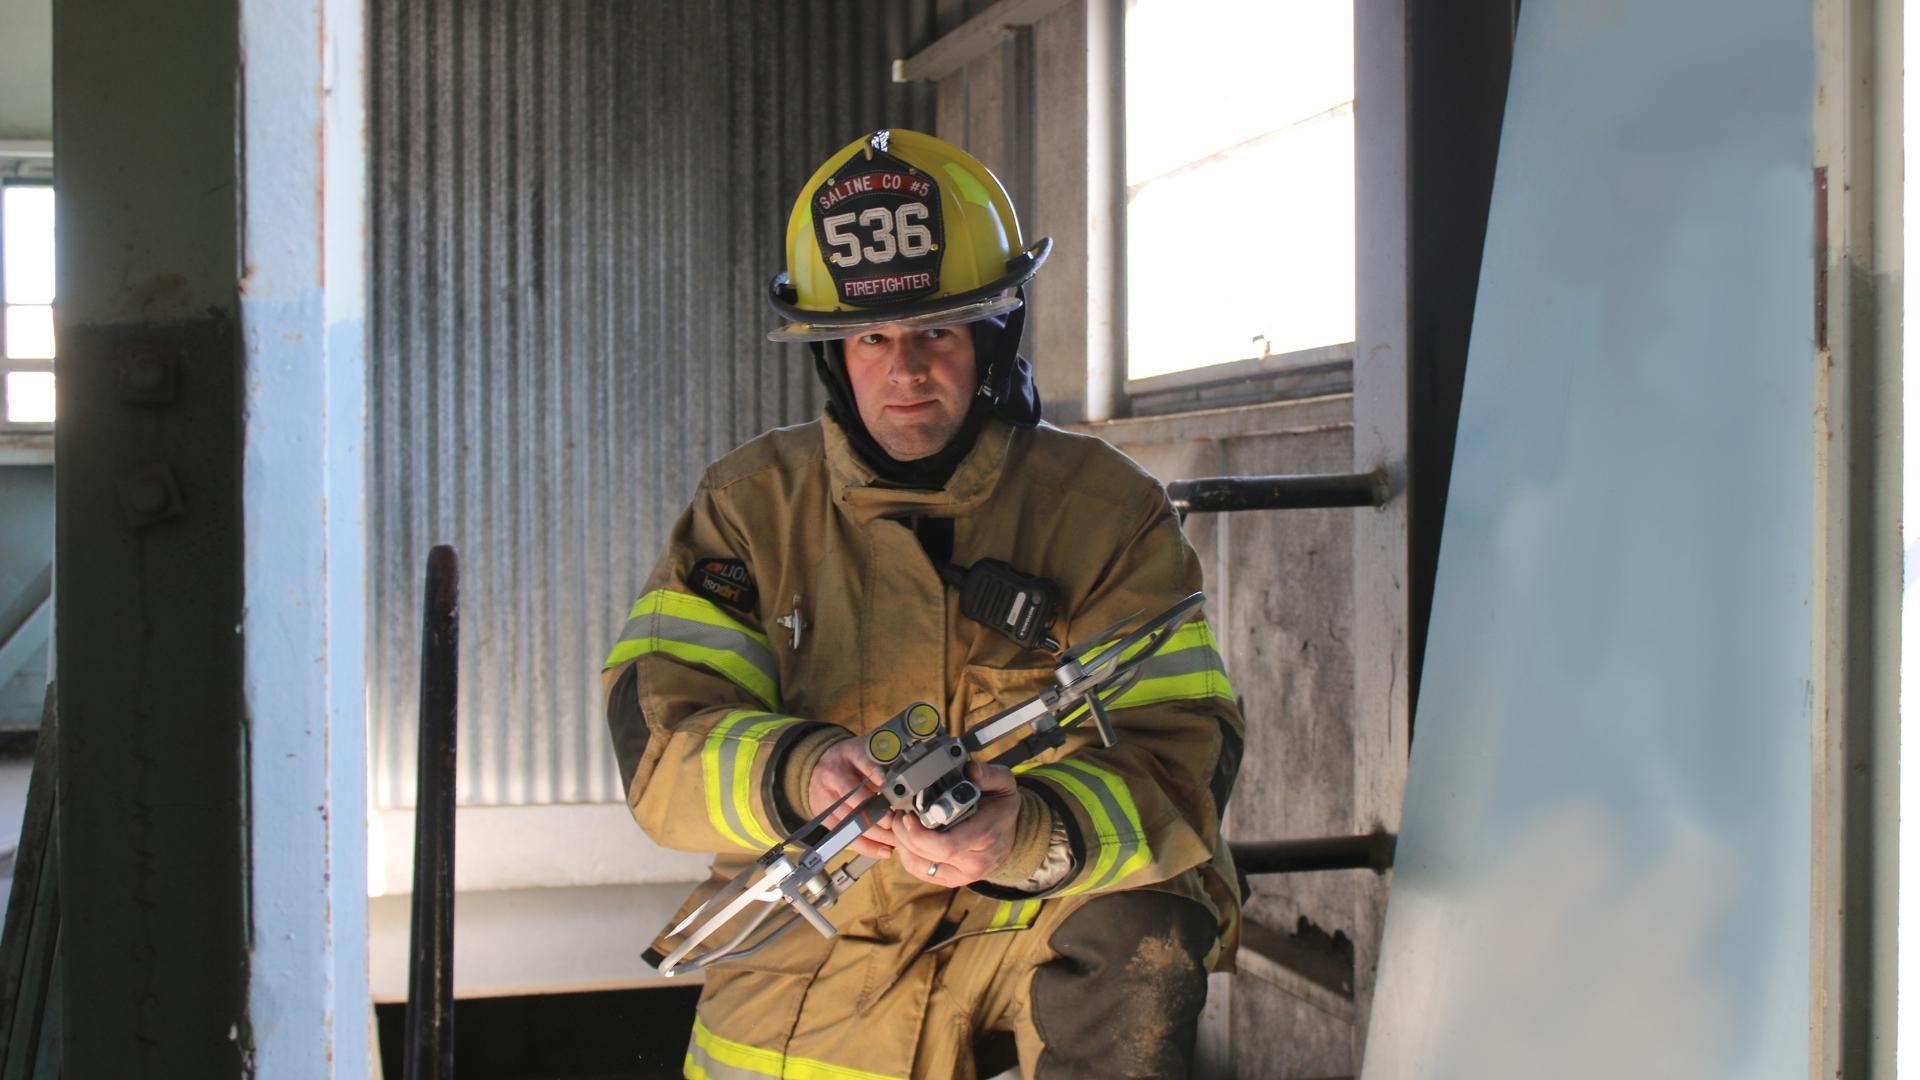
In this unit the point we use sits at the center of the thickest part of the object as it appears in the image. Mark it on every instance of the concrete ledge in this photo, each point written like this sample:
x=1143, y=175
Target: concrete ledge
x=26, y=447
x=530, y=847
x=1300, y=416
x=533, y=941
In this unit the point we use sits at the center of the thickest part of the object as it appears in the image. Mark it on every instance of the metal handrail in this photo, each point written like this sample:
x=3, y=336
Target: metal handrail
x=429, y=1034
x=1312, y=491
x=1370, y=851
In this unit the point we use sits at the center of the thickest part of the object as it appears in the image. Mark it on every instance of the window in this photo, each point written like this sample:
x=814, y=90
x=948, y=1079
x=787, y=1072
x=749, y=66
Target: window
x=1240, y=181
x=26, y=315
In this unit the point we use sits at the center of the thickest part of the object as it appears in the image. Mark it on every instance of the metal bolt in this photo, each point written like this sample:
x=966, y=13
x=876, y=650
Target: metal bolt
x=149, y=376
x=147, y=496
x=151, y=494
x=145, y=373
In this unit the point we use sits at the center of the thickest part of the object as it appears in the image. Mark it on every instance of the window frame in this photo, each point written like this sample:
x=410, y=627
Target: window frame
x=1294, y=375
x=1304, y=373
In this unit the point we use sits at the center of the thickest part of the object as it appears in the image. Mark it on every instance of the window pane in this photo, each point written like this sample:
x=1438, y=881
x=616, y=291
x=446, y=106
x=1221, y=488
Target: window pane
x=30, y=332
x=29, y=397
x=1247, y=256
x=28, y=230
x=1204, y=75
x=1239, y=180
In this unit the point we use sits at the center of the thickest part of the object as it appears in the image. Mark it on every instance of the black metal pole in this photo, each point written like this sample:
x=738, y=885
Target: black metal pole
x=1373, y=851
x=1218, y=494
x=430, y=971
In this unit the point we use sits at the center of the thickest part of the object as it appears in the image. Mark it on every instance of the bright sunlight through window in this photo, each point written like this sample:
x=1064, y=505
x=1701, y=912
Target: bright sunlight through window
x=26, y=267
x=1239, y=180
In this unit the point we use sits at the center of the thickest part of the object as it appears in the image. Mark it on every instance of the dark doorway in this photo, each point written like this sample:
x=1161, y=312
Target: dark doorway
x=611, y=1035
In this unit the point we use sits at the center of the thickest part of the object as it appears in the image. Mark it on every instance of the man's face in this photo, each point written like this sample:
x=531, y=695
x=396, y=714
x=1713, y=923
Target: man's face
x=913, y=386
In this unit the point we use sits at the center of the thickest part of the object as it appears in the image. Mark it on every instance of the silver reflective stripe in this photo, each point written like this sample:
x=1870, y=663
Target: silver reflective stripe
x=732, y=745
x=1129, y=840
x=705, y=635
x=700, y=1063
x=1188, y=661
x=1120, y=824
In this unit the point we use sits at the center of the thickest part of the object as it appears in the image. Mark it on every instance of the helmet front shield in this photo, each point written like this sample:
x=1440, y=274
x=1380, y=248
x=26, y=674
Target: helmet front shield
x=902, y=228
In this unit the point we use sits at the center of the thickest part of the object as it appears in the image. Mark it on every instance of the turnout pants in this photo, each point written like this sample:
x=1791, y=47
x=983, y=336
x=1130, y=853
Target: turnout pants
x=1107, y=986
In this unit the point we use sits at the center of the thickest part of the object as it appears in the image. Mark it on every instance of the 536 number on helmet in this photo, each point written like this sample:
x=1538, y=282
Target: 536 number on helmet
x=889, y=231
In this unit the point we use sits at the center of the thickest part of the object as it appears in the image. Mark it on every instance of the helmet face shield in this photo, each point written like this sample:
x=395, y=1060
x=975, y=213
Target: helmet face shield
x=899, y=228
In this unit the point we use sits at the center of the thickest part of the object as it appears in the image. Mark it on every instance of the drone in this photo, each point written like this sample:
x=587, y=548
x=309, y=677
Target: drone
x=925, y=775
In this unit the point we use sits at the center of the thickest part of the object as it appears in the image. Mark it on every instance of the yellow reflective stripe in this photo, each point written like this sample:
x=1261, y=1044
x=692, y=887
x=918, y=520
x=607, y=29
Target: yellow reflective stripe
x=696, y=630
x=710, y=1056
x=1116, y=821
x=1014, y=915
x=726, y=764
x=1192, y=687
x=729, y=664
x=1187, y=668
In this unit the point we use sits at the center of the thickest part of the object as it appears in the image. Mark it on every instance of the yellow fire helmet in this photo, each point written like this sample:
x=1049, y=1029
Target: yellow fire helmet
x=899, y=227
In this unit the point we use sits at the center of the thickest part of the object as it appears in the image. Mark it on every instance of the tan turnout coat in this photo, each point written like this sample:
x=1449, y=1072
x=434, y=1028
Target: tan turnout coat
x=705, y=689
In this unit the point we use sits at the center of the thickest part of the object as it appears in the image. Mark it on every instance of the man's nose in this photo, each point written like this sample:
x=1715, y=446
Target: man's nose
x=910, y=362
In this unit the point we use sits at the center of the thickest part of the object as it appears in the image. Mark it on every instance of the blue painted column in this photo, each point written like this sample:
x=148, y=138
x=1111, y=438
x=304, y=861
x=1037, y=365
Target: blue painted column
x=209, y=538
x=302, y=319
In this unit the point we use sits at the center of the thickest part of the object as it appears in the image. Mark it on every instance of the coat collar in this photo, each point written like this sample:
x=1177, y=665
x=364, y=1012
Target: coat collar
x=859, y=495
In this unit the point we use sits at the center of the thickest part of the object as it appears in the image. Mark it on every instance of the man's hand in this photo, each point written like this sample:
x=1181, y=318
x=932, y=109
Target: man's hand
x=846, y=767
x=965, y=853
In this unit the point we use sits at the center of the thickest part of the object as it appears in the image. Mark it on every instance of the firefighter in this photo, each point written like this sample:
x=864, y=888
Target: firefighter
x=1071, y=921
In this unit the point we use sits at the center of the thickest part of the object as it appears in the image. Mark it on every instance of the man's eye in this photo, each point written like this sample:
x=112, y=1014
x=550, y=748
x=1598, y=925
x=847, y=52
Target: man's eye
x=871, y=339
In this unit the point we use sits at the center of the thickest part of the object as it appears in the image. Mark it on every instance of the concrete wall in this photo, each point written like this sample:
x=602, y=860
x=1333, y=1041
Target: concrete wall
x=1280, y=595
x=1022, y=110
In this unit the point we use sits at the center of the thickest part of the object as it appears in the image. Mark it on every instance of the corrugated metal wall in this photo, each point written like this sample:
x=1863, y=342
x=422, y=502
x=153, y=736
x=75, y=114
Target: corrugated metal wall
x=576, y=206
